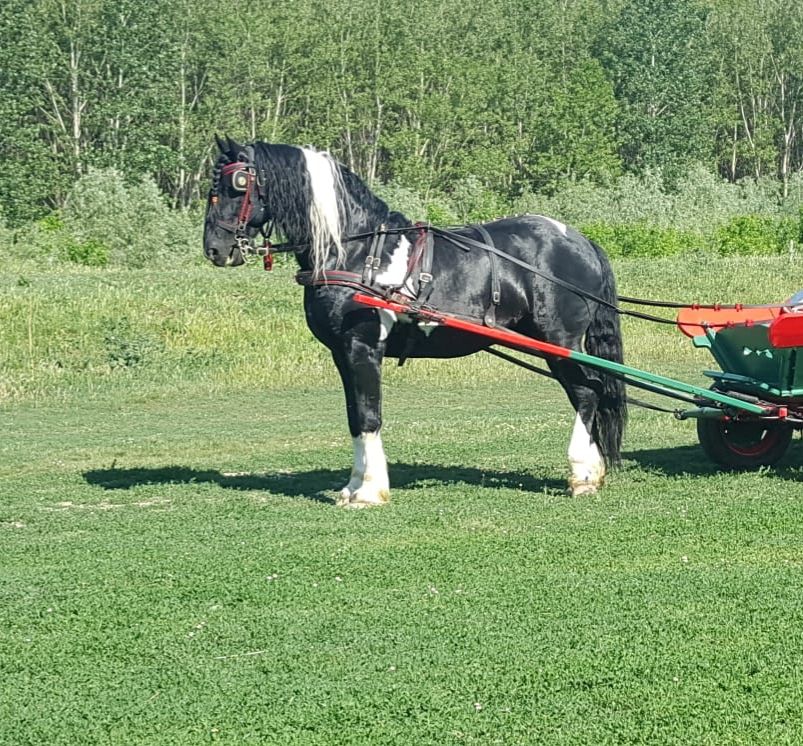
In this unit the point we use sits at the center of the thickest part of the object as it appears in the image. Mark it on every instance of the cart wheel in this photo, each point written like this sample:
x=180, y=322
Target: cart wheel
x=738, y=444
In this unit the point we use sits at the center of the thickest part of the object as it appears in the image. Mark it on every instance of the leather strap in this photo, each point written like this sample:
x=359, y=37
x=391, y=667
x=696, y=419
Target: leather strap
x=374, y=258
x=496, y=291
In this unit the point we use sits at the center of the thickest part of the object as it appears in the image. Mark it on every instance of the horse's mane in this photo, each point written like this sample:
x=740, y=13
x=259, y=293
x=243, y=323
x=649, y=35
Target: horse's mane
x=317, y=200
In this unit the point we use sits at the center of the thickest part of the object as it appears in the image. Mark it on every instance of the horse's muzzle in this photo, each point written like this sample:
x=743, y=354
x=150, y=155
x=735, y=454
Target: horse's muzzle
x=224, y=257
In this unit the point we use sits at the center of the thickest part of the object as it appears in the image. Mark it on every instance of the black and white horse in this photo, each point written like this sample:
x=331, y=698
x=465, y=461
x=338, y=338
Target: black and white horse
x=319, y=205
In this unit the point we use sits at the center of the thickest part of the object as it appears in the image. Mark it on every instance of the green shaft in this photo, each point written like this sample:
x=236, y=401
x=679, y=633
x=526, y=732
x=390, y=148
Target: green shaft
x=670, y=383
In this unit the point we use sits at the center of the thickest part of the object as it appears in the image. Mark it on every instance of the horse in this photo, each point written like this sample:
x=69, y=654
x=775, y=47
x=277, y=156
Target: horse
x=549, y=282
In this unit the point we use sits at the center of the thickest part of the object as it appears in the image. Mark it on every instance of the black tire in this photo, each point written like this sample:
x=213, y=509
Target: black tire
x=744, y=444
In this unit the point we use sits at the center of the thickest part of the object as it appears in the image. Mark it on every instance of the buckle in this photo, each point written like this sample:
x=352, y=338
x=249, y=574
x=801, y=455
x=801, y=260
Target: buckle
x=425, y=277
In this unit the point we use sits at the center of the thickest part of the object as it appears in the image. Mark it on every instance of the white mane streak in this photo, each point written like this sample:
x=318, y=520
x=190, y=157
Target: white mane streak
x=325, y=208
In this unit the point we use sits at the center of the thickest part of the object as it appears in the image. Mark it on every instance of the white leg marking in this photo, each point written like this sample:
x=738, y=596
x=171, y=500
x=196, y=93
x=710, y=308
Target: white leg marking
x=560, y=226
x=585, y=460
x=386, y=321
x=357, y=472
x=369, y=483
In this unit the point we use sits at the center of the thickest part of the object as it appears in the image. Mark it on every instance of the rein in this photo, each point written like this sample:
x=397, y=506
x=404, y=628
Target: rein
x=245, y=179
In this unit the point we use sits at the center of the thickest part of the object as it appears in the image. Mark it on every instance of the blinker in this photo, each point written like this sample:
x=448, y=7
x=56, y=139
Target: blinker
x=239, y=180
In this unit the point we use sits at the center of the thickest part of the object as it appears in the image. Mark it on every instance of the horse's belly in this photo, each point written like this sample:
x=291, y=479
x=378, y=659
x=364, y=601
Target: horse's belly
x=412, y=340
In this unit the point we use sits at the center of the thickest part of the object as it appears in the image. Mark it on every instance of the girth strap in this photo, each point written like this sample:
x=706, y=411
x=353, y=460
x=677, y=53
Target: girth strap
x=496, y=291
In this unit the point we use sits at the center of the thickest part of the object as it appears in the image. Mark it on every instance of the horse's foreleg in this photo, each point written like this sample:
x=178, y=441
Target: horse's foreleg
x=360, y=371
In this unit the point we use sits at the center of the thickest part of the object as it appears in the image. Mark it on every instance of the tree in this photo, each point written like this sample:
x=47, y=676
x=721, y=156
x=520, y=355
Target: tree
x=658, y=58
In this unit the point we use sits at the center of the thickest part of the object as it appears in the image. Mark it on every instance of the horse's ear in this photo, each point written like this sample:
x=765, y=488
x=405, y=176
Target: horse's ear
x=222, y=145
x=235, y=149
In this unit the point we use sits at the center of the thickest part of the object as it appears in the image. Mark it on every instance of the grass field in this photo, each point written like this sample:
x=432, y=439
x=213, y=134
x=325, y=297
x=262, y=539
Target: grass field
x=173, y=570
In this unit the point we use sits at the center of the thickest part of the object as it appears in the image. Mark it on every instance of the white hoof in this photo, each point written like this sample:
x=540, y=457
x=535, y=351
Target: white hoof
x=368, y=497
x=586, y=484
x=576, y=489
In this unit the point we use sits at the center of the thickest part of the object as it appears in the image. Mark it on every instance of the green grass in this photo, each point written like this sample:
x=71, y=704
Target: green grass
x=173, y=569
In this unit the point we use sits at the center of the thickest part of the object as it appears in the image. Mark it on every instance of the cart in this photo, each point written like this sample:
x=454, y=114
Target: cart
x=745, y=420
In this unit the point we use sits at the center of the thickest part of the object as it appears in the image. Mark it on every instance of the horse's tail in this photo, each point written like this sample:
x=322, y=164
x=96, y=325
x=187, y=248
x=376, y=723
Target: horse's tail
x=604, y=339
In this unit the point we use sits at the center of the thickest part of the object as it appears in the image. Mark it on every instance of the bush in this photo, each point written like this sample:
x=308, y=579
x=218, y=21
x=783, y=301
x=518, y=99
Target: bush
x=700, y=202
x=403, y=200
x=91, y=253
x=756, y=234
x=440, y=212
x=643, y=239
x=6, y=235
x=132, y=225
x=475, y=203
x=127, y=347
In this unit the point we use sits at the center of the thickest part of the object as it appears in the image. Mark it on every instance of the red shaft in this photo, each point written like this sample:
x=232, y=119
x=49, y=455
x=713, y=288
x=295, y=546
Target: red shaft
x=498, y=335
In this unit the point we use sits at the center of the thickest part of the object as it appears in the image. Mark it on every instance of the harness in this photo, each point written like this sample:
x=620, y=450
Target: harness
x=419, y=269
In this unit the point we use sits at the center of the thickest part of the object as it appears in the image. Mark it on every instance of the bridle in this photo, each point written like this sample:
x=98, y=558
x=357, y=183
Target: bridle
x=245, y=179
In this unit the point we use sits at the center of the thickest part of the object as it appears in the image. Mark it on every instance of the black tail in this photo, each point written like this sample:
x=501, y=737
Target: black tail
x=604, y=339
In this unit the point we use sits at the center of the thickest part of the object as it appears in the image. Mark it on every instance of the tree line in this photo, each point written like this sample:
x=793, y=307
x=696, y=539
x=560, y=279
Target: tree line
x=517, y=96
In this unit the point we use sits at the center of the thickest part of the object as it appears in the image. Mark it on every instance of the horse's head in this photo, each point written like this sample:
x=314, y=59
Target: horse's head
x=236, y=208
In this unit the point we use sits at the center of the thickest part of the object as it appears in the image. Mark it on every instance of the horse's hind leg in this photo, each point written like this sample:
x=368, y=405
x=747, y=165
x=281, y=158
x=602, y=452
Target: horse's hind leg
x=360, y=371
x=586, y=463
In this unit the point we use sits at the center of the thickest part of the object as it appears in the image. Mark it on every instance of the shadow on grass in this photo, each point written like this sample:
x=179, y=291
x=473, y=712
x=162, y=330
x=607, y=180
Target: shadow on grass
x=672, y=461
x=316, y=484
x=691, y=460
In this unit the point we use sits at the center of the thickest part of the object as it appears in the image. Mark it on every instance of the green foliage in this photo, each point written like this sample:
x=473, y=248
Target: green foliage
x=127, y=347
x=90, y=253
x=517, y=106
x=474, y=202
x=440, y=212
x=642, y=239
x=402, y=199
x=756, y=234
x=6, y=235
x=663, y=70
x=124, y=225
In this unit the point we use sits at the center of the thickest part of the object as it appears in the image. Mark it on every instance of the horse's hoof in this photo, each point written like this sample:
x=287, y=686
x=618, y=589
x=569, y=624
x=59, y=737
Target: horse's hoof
x=582, y=489
x=578, y=487
x=363, y=498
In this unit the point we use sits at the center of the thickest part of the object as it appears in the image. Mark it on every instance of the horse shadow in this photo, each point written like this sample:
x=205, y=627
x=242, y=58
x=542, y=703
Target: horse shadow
x=317, y=484
x=690, y=460
x=320, y=484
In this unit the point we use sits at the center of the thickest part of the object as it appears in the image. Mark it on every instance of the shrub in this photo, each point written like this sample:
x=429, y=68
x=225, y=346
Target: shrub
x=90, y=253
x=133, y=223
x=125, y=346
x=475, y=203
x=403, y=200
x=642, y=239
x=755, y=234
x=440, y=212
